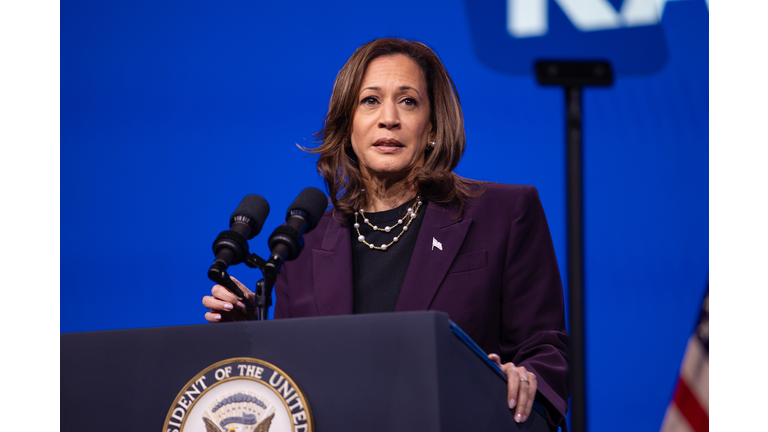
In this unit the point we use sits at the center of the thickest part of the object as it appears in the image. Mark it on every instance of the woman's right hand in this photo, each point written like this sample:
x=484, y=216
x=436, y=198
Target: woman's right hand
x=226, y=306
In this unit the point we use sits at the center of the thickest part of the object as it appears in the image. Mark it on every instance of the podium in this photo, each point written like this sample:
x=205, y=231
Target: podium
x=404, y=371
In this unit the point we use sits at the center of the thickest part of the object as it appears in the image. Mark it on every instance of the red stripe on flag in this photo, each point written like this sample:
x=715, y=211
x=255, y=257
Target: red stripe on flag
x=690, y=408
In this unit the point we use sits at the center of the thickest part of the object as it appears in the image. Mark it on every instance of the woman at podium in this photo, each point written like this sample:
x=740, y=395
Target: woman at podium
x=406, y=233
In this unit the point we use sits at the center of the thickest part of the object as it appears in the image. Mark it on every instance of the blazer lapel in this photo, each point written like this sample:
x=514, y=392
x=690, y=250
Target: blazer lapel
x=332, y=271
x=429, y=263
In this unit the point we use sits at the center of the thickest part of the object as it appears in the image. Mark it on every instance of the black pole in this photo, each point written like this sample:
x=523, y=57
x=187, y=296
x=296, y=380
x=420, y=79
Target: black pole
x=573, y=76
x=575, y=257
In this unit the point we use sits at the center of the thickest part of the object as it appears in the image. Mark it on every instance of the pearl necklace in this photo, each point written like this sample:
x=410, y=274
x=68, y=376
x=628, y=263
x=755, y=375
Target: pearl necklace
x=412, y=212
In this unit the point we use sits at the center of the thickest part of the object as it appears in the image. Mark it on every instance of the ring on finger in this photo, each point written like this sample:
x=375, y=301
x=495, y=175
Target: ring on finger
x=525, y=379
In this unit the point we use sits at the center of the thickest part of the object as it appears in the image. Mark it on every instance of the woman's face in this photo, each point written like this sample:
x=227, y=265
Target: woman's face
x=390, y=125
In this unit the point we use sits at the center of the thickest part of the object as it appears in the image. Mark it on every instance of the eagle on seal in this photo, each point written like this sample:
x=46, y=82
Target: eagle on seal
x=263, y=426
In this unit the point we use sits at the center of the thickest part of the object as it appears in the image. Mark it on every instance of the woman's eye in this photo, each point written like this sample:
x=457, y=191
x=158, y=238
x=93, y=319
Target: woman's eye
x=411, y=102
x=370, y=100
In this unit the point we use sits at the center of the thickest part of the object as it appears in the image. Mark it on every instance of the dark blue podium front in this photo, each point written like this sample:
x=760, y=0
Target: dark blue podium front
x=379, y=372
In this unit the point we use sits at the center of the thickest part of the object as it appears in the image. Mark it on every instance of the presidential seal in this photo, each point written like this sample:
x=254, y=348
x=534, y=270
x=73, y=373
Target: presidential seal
x=240, y=395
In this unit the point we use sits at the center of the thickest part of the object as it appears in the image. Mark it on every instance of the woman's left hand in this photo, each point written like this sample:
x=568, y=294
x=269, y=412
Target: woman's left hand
x=521, y=388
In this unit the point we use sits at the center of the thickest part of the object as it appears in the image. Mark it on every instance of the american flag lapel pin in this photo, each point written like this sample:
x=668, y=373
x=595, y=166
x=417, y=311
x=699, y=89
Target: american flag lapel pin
x=436, y=244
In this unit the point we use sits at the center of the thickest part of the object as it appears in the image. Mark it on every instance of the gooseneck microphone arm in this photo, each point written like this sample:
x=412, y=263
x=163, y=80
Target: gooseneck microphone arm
x=287, y=242
x=231, y=247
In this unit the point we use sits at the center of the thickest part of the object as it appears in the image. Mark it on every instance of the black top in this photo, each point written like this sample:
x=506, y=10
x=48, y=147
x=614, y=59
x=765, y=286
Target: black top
x=379, y=274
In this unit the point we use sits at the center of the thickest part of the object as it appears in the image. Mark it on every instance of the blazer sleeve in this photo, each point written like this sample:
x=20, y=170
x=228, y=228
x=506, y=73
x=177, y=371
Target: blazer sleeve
x=533, y=321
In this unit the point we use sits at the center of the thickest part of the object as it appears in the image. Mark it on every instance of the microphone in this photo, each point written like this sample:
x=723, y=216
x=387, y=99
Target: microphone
x=231, y=247
x=286, y=241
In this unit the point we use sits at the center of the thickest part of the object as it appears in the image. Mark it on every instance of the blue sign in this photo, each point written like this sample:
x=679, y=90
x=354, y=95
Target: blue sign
x=510, y=35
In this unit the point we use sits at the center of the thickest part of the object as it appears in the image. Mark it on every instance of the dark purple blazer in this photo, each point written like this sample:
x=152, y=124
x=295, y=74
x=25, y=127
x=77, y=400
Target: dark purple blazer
x=496, y=277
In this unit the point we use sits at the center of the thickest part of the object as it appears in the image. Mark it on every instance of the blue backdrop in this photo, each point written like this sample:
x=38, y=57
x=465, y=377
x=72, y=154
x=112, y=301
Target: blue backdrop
x=172, y=111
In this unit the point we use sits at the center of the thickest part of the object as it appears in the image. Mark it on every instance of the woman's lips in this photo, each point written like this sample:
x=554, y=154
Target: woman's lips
x=387, y=145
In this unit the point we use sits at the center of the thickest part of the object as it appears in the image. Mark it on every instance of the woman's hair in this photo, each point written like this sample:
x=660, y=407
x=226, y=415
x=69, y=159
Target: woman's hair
x=338, y=164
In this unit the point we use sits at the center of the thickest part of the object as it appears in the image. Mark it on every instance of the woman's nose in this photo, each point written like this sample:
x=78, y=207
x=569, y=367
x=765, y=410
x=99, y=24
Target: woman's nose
x=389, y=118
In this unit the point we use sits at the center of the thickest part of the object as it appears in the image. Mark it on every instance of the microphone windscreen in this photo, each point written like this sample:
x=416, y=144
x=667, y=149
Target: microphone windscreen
x=253, y=210
x=311, y=201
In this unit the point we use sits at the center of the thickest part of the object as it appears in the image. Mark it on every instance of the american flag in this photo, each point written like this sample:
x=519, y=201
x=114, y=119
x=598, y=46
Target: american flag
x=689, y=409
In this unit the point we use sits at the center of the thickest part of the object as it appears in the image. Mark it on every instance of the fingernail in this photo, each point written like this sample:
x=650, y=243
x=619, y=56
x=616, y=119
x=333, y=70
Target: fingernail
x=227, y=306
x=519, y=418
x=240, y=305
x=525, y=417
x=512, y=403
x=217, y=317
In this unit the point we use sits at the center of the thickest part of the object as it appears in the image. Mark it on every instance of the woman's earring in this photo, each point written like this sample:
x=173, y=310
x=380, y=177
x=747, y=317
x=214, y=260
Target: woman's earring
x=430, y=145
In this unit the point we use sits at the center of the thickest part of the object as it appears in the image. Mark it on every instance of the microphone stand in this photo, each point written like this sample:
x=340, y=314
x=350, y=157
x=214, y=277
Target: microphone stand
x=263, y=291
x=269, y=269
x=263, y=300
x=573, y=75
